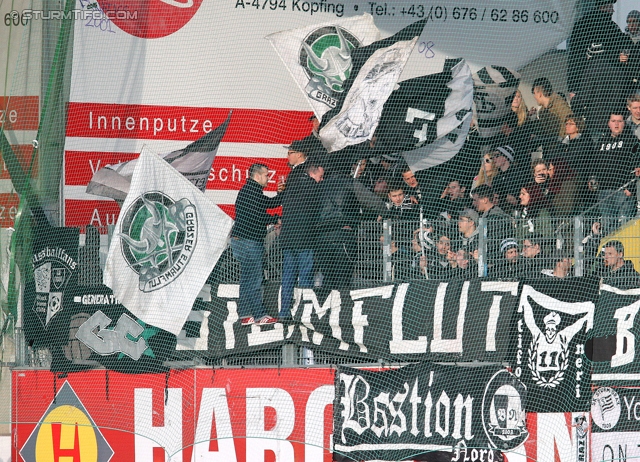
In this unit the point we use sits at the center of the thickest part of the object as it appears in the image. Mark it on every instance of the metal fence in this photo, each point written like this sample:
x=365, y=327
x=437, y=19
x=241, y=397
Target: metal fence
x=393, y=251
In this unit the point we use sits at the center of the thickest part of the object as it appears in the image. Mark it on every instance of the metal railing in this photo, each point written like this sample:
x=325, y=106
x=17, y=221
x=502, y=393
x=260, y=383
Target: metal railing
x=392, y=251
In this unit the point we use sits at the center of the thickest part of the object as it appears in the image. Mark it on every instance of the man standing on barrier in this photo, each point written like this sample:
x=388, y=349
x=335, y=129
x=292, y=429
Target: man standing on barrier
x=247, y=243
x=299, y=209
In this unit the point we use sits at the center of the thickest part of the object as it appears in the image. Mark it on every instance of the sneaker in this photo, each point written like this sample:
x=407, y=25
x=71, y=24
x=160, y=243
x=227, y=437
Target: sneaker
x=267, y=320
x=247, y=321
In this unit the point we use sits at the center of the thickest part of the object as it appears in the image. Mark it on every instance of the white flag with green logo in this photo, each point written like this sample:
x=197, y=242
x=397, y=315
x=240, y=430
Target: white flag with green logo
x=168, y=238
x=319, y=56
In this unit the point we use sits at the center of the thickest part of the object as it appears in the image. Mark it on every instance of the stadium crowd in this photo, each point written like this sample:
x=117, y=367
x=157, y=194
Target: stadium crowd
x=508, y=200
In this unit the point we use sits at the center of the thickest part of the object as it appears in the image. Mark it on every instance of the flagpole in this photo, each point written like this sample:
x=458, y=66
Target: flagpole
x=426, y=275
x=357, y=170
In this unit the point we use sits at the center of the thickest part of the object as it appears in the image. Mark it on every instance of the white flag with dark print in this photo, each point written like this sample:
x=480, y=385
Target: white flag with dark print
x=375, y=73
x=319, y=56
x=168, y=238
x=362, y=107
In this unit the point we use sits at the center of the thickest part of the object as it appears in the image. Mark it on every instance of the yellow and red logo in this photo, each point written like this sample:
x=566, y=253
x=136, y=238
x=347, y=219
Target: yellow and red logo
x=66, y=433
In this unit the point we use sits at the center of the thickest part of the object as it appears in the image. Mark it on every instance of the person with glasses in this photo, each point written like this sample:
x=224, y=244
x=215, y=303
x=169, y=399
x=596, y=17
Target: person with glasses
x=487, y=172
x=533, y=258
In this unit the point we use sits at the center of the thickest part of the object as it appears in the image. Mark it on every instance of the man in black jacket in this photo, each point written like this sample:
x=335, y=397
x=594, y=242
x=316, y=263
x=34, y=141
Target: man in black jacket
x=299, y=213
x=337, y=246
x=613, y=165
x=595, y=73
x=618, y=272
x=247, y=243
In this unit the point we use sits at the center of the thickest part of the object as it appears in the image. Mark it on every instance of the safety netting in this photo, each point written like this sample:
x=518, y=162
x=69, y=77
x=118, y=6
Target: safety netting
x=294, y=230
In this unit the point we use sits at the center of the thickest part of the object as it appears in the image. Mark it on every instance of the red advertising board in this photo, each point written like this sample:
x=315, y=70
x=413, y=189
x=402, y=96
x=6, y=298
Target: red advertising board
x=199, y=414
x=222, y=415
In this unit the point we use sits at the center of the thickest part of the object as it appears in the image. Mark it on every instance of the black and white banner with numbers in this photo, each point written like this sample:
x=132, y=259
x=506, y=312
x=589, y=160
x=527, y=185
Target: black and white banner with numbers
x=615, y=430
x=553, y=320
x=422, y=320
x=421, y=408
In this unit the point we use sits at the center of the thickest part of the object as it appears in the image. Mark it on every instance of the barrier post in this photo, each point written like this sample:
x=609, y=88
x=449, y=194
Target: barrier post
x=578, y=249
x=386, y=251
x=482, y=247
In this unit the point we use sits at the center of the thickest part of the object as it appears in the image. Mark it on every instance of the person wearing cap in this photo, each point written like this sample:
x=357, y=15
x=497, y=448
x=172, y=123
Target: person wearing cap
x=595, y=65
x=510, y=177
x=509, y=267
x=617, y=271
x=247, y=243
x=299, y=209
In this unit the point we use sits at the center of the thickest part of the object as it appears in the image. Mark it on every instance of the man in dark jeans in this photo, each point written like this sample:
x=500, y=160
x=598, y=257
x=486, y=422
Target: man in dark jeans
x=299, y=214
x=247, y=243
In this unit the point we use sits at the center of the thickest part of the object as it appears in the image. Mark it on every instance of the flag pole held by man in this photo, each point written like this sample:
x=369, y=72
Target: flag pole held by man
x=168, y=238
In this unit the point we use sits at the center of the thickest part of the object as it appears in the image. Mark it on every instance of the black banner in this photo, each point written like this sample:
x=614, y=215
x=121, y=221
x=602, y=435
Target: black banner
x=421, y=408
x=55, y=265
x=617, y=327
x=433, y=320
x=550, y=330
x=102, y=332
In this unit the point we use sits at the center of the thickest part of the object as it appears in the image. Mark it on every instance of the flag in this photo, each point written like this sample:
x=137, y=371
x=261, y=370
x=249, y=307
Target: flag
x=168, y=238
x=375, y=71
x=427, y=118
x=319, y=56
x=441, y=150
x=194, y=162
x=494, y=89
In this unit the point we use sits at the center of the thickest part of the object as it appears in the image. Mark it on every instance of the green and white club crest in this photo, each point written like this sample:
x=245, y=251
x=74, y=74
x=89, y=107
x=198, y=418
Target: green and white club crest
x=325, y=56
x=158, y=237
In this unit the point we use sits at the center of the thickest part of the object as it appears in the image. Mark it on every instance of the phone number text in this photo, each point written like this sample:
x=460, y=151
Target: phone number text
x=459, y=13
